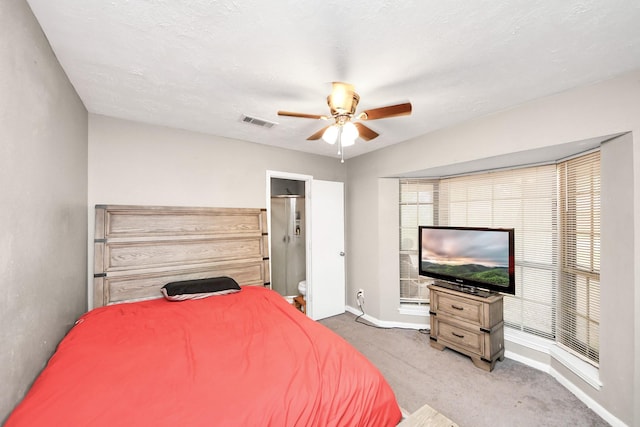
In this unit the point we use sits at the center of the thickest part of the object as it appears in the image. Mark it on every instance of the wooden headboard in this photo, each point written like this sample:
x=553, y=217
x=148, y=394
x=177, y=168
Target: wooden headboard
x=138, y=249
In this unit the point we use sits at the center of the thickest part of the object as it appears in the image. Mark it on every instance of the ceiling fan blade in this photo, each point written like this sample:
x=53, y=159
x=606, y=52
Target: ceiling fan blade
x=384, y=112
x=365, y=133
x=318, y=134
x=303, y=115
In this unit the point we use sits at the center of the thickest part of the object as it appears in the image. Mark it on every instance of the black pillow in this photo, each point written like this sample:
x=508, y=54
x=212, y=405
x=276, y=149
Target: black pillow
x=199, y=288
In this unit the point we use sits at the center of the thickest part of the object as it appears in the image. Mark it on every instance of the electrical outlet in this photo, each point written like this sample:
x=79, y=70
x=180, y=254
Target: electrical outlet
x=360, y=293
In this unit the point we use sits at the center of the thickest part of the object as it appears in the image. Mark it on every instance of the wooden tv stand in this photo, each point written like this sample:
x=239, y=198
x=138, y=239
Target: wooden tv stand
x=467, y=323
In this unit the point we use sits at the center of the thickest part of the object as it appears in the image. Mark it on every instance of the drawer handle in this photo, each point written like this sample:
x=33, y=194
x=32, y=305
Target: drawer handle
x=457, y=335
x=457, y=307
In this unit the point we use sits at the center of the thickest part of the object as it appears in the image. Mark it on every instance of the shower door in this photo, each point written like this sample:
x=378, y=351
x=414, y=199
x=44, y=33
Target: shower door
x=288, y=258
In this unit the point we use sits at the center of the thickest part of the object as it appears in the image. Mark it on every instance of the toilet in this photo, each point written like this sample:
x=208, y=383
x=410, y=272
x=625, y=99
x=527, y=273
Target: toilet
x=302, y=287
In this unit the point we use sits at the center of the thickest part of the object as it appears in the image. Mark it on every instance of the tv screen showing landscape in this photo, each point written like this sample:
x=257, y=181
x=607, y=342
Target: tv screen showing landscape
x=479, y=257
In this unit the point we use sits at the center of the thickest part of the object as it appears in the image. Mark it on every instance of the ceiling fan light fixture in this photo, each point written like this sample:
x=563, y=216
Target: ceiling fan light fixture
x=346, y=142
x=345, y=132
x=349, y=132
x=330, y=136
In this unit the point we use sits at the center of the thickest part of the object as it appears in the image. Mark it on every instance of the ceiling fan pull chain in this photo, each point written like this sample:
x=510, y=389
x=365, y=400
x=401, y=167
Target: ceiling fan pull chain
x=340, y=149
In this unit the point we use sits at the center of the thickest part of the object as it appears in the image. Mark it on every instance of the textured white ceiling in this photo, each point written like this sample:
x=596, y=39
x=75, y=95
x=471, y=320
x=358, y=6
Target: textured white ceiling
x=201, y=64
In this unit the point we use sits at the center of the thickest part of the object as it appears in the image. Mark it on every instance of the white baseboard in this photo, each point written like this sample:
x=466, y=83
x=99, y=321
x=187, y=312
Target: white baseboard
x=540, y=366
x=587, y=400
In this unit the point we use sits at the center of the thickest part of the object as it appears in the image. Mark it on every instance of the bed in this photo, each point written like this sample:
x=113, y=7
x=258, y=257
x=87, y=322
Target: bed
x=239, y=358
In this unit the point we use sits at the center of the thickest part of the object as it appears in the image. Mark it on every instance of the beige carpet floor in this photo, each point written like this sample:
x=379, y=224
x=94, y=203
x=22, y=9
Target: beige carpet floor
x=513, y=394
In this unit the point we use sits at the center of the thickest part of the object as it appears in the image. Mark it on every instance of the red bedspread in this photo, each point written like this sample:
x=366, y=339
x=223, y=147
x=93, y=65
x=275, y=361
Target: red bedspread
x=244, y=359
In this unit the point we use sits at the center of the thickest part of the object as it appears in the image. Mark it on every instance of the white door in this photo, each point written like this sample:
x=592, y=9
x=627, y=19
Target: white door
x=326, y=289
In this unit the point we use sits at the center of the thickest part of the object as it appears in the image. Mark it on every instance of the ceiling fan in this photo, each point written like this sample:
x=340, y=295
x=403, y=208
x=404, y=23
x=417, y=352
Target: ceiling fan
x=342, y=102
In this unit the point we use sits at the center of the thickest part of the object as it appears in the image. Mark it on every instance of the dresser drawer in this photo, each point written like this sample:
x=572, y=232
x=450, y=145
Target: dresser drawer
x=460, y=338
x=463, y=308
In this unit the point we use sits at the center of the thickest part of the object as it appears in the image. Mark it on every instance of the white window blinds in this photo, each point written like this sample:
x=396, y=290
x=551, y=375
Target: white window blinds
x=579, y=299
x=416, y=208
x=524, y=199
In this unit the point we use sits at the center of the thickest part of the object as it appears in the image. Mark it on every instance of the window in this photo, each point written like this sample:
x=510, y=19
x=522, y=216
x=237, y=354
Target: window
x=524, y=199
x=557, y=253
x=416, y=208
x=579, y=301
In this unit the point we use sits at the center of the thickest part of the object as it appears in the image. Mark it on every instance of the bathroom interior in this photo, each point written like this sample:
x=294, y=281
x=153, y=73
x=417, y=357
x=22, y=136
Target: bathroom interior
x=288, y=238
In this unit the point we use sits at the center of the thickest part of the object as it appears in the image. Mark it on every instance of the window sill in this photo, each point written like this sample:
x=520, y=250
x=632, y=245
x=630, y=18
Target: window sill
x=414, y=310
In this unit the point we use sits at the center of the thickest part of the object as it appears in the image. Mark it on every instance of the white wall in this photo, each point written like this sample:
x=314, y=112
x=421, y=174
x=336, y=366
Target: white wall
x=139, y=164
x=43, y=193
x=602, y=109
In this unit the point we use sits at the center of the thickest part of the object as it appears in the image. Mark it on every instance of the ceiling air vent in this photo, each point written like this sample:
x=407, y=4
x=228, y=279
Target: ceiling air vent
x=258, y=122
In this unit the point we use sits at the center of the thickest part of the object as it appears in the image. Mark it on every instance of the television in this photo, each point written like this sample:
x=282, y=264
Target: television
x=469, y=259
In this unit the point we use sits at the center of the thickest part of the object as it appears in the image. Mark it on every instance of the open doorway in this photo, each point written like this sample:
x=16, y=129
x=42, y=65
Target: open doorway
x=288, y=205
x=288, y=237
x=324, y=272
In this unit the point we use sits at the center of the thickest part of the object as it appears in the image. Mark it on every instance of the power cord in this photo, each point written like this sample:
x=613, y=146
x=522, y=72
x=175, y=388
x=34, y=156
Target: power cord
x=360, y=302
